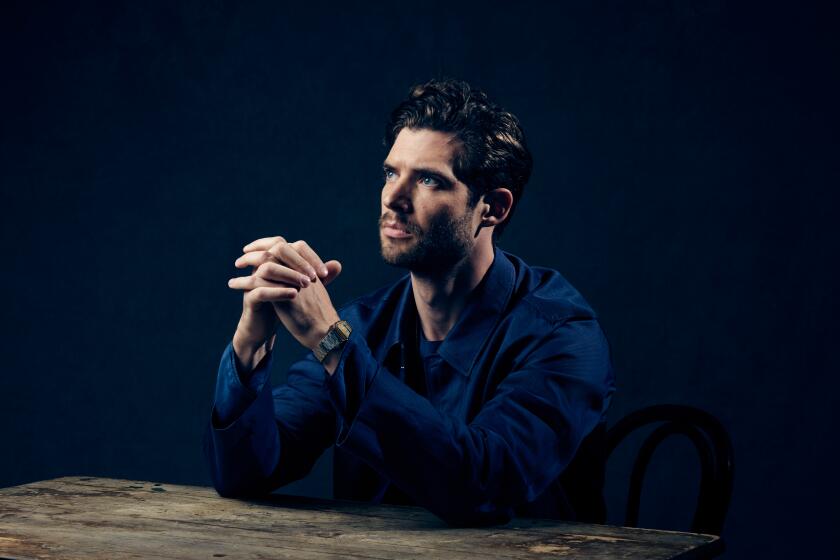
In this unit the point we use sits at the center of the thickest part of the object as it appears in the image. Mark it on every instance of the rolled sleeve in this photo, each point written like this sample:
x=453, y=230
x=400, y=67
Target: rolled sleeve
x=232, y=396
x=242, y=442
x=261, y=437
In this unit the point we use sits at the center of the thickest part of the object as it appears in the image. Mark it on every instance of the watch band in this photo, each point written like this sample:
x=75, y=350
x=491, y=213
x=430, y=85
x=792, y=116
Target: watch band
x=337, y=335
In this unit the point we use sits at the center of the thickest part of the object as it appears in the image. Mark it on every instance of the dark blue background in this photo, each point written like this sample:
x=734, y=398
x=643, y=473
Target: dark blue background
x=685, y=176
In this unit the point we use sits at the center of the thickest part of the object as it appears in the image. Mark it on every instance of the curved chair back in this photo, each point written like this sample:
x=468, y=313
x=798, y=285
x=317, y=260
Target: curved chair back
x=714, y=448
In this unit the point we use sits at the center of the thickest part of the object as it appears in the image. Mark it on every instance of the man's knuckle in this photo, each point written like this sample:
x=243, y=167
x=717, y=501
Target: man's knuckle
x=267, y=256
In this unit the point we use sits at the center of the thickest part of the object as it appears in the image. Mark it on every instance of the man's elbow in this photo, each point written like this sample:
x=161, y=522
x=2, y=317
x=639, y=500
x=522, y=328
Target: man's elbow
x=473, y=515
x=237, y=488
x=229, y=477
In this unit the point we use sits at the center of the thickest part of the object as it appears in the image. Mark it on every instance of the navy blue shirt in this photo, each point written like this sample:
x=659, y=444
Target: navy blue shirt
x=503, y=417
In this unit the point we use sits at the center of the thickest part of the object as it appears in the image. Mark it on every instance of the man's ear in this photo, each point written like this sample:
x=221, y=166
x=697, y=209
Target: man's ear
x=497, y=203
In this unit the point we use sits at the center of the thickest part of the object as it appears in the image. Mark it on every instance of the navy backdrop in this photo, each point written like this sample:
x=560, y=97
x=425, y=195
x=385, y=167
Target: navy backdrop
x=684, y=181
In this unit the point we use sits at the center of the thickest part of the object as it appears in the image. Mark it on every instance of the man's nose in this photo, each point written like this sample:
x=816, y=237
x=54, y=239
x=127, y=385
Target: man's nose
x=396, y=195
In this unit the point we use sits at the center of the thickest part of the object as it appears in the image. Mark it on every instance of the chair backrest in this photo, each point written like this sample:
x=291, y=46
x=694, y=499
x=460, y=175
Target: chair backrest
x=714, y=448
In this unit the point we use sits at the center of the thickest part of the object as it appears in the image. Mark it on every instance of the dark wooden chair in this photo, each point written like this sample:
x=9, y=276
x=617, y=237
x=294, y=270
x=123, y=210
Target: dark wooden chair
x=714, y=448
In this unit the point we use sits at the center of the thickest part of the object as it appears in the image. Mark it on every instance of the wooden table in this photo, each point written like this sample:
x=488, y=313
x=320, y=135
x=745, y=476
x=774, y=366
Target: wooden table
x=84, y=517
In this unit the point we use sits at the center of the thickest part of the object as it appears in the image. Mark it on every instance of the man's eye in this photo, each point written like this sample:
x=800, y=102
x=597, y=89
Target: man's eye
x=429, y=181
x=387, y=174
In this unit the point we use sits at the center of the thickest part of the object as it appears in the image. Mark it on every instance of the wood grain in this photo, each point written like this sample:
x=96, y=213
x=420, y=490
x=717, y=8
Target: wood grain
x=85, y=517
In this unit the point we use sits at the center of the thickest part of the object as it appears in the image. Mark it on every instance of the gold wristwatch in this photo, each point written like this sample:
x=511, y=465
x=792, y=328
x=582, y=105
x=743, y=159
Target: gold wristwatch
x=337, y=335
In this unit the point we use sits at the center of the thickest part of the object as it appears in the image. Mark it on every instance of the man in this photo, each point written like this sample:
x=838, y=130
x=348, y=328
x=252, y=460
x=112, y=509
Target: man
x=475, y=385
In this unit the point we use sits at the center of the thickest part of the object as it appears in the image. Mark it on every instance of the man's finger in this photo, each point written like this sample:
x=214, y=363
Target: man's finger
x=287, y=254
x=262, y=244
x=254, y=258
x=253, y=281
x=274, y=272
x=334, y=267
x=288, y=257
x=266, y=293
x=310, y=255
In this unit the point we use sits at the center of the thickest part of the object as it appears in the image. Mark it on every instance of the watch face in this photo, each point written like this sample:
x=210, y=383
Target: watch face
x=344, y=328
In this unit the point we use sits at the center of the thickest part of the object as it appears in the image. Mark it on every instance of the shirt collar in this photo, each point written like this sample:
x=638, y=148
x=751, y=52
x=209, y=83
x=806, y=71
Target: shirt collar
x=482, y=311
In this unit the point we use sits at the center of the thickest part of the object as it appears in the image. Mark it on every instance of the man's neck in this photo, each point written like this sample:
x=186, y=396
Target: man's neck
x=440, y=298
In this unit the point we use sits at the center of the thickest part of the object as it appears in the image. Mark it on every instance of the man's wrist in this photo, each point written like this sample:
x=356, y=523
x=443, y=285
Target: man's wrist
x=330, y=340
x=318, y=333
x=248, y=353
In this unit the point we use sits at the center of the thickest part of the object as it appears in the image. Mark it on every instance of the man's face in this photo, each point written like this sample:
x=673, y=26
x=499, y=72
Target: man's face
x=427, y=202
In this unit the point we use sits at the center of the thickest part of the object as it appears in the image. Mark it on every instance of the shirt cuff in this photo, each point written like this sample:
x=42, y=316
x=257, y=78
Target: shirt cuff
x=232, y=395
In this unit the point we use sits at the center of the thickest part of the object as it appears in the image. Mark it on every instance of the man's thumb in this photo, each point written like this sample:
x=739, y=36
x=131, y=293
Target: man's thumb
x=334, y=269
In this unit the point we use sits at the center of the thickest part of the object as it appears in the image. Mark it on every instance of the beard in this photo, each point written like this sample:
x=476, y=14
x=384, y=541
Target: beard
x=445, y=243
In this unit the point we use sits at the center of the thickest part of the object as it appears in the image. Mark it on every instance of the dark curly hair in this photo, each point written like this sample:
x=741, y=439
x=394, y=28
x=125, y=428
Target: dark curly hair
x=493, y=151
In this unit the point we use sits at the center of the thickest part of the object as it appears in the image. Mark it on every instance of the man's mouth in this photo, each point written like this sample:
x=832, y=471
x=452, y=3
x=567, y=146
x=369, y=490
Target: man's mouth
x=395, y=230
